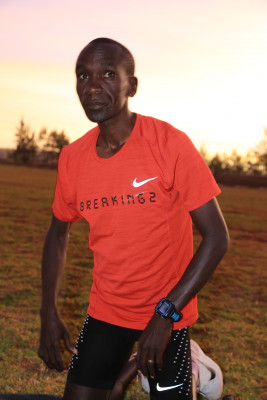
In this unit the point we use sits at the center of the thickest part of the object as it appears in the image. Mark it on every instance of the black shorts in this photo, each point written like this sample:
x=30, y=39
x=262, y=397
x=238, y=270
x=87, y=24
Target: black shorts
x=104, y=349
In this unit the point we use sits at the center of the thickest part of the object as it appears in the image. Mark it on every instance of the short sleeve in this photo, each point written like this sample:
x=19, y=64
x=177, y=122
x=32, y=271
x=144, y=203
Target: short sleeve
x=64, y=204
x=190, y=174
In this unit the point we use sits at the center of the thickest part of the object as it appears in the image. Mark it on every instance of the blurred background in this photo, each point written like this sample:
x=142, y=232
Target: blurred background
x=201, y=65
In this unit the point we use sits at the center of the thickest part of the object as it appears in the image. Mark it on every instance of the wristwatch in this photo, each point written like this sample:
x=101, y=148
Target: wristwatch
x=167, y=310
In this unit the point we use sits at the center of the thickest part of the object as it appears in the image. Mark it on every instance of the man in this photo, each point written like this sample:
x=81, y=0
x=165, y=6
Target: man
x=138, y=182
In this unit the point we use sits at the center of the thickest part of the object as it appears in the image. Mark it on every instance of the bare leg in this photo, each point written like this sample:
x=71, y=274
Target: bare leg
x=77, y=392
x=124, y=379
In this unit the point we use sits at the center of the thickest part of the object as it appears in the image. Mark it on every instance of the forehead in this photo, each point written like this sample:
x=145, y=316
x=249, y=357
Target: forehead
x=102, y=54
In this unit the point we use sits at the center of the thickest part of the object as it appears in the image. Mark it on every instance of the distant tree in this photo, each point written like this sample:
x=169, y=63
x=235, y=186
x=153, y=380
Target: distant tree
x=53, y=143
x=204, y=152
x=44, y=149
x=216, y=163
x=251, y=163
x=261, y=151
x=26, y=145
x=219, y=163
x=236, y=162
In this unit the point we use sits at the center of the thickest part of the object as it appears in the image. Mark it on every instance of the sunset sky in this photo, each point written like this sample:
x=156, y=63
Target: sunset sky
x=201, y=64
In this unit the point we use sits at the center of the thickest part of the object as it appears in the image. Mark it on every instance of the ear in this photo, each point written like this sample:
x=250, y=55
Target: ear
x=133, y=86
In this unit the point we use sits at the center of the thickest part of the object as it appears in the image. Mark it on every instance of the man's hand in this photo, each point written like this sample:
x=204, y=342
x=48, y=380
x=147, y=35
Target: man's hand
x=53, y=330
x=152, y=345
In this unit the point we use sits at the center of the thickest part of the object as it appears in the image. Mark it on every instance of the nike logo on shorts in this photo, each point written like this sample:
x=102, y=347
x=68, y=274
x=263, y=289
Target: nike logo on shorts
x=162, y=388
x=137, y=184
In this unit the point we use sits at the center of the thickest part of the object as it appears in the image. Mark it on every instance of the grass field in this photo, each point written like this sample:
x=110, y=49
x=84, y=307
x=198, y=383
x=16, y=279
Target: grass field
x=231, y=324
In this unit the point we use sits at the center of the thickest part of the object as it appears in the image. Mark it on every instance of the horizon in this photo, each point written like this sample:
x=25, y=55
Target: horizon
x=202, y=146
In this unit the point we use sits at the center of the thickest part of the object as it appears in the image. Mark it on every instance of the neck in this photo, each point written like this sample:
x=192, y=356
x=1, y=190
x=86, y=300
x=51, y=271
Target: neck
x=115, y=131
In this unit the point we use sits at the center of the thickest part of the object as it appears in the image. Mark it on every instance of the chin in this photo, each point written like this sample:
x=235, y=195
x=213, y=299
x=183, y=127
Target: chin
x=96, y=115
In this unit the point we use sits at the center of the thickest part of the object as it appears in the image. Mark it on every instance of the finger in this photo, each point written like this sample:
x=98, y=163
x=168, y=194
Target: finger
x=43, y=354
x=47, y=361
x=151, y=366
x=138, y=357
x=68, y=343
x=60, y=364
x=142, y=361
x=40, y=353
x=55, y=357
x=133, y=356
x=159, y=361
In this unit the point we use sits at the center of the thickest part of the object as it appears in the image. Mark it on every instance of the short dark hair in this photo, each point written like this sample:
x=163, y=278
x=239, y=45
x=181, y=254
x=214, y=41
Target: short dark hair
x=128, y=58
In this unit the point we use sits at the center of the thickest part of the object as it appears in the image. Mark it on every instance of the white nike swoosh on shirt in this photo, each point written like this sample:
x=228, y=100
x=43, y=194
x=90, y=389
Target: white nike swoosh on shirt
x=161, y=389
x=137, y=184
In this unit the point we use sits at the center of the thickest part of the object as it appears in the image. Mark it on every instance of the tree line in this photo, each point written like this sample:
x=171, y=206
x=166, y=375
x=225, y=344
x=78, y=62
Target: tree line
x=44, y=149
x=254, y=162
x=38, y=149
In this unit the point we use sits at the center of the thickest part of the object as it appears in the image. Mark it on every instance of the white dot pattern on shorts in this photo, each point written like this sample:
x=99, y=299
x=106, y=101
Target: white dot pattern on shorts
x=185, y=367
x=80, y=339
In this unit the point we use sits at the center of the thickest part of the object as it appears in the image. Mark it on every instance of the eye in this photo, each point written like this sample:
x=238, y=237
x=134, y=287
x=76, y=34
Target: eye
x=83, y=76
x=109, y=74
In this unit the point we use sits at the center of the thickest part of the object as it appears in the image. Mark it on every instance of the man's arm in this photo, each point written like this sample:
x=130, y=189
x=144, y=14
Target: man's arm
x=210, y=223
x=52, y=328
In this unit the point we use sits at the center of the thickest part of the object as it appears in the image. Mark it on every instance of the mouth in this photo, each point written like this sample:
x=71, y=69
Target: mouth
x=94, y=105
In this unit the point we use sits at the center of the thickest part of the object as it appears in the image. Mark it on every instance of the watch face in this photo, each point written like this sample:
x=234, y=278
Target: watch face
x=167, y=310
x=164, y=307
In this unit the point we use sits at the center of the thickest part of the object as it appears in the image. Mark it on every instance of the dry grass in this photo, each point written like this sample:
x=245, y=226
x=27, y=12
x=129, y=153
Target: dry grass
x=231, y=324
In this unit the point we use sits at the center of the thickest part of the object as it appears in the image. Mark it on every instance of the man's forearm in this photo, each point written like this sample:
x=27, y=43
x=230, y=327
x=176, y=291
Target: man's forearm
x=215, y=239
x=53, y=329
x=199, y=271
x=53, y=263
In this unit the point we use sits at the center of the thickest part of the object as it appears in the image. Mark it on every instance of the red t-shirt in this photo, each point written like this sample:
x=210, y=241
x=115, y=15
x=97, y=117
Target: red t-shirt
x=137, y=204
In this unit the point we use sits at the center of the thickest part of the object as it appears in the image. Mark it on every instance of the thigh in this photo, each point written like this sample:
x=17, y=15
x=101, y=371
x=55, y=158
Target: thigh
x=77, y=392
x=174, y=382
x=103, y=350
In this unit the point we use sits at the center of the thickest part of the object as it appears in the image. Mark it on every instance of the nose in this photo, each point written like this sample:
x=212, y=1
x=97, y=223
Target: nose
x=94, y=85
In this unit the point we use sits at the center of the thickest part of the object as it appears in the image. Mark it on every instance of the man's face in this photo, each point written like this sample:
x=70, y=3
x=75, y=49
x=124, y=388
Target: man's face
x=103, y=85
